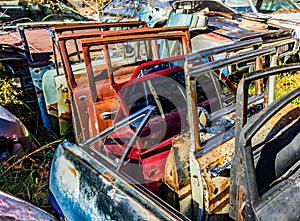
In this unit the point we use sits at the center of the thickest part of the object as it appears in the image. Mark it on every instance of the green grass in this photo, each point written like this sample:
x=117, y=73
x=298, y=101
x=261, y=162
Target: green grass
x=287, y=82
x=284, y=83
x=27, y=177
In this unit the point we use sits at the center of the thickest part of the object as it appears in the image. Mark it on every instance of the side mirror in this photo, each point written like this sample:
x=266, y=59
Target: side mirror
x=203, y=117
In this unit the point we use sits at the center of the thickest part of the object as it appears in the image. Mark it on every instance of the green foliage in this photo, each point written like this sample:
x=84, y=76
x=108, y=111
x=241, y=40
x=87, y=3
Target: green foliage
x=284, y=83
x=26, y=178
x=287, y=82
x=8, y=94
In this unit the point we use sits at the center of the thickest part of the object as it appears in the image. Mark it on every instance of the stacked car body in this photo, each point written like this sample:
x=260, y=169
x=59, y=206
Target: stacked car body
x=155, y=112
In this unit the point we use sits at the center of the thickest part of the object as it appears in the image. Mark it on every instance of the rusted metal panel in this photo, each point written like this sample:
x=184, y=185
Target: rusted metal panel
x=284, y=117
x=59, y=29
x=64, y=36
x=216, y=194
x=264, y=203
x=63, y=104
x=114, y=38
x=259, y=132
x=177, y=176
x=279, y=15
x=94, y=123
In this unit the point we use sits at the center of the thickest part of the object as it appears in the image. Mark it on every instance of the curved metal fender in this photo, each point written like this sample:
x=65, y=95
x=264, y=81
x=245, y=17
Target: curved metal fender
x=85, y=193
x=12, y=208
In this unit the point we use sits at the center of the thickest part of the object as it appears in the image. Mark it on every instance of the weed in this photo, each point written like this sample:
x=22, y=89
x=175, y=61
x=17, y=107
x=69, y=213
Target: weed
x=28, y=177
x=8, y=94
x=287, y=82
x=284, y=83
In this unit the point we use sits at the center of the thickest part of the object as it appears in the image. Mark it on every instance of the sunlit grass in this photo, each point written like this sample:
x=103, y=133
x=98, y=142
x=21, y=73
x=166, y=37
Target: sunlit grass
x=284, y=83
x=287, y=82
x=28, y=177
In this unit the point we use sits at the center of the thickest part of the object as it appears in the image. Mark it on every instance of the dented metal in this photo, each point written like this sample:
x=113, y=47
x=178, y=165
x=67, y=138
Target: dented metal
x=179, y=170
x=77, y=190
x=225, y=25
x=285, y=14
x=268, y=178
x=177, y=163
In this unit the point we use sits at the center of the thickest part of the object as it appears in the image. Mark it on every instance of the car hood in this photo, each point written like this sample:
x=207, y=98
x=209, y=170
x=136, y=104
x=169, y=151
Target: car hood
x=284, y=17
x=287, y=20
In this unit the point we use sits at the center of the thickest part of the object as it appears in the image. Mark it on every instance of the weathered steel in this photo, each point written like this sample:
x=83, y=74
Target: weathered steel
x=245, y=56
x=39, y=69
x=115, y=188
x=255, y=76
x=267, y=148
x=178, y=167
x=194, y=57
x=64, y=37
x=225, y=25
x=164, y=33
x=186, y=175
x=105, y=104
x=59, y=29
x=246, y=131
x=285, y=15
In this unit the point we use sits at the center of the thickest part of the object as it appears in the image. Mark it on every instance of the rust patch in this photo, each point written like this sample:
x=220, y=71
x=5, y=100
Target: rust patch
x=107, y=175
x=216, y=189
x=293, y=10
x=153, y=172
x=283, y=118
x=241, y=204
x=170, y=175
x=73, y=171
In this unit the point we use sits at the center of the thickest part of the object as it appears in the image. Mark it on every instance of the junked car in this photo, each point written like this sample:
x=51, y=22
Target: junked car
x=225, y=25
x=115, y=62
x=139, y=168
x=152, y=12
x=262, y=6
x=18, y=11
x=282, y=13
x=265, y=171
x=44, y=60
x=208, y=37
